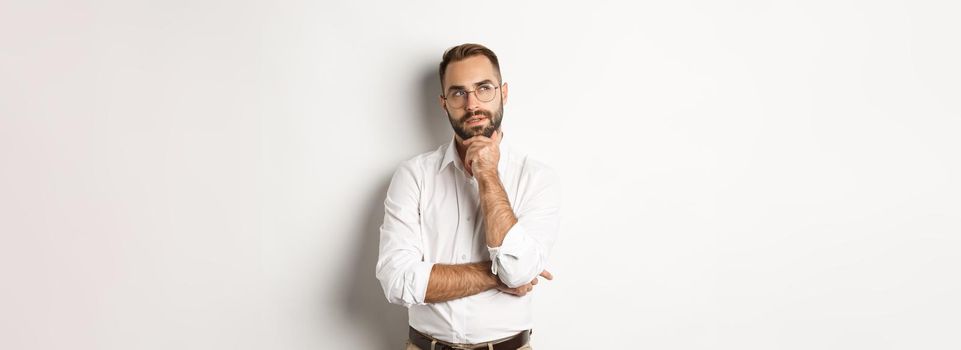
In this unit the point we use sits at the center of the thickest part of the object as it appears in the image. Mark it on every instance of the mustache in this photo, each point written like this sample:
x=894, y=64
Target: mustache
x=469, y=115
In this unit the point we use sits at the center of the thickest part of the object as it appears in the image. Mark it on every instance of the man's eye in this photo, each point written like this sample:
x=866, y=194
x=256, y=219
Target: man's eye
x=485, y=87
x=458, y=93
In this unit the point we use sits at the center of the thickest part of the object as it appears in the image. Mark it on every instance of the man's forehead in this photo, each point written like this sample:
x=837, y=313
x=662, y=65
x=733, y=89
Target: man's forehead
x=470, y=71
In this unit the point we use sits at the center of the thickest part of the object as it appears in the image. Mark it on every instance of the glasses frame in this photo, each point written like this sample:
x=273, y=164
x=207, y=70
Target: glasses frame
x=467, y=96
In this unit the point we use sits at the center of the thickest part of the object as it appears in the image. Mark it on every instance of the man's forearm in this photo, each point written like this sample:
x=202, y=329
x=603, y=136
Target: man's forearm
x=449, y=282
x=498, y=214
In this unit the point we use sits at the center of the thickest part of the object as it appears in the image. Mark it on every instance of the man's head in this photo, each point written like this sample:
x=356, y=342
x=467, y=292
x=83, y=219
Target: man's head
x=473, y=94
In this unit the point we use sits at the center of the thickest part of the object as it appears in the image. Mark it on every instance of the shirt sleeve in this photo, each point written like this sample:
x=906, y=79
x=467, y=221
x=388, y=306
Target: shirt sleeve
x=401, y=269
x=524, y=251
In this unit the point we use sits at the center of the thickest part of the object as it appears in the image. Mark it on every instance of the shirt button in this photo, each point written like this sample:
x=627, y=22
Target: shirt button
x=463, y=256
x=468, y=218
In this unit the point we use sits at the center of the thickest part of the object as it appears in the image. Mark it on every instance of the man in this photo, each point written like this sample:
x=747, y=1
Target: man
x=468, y=227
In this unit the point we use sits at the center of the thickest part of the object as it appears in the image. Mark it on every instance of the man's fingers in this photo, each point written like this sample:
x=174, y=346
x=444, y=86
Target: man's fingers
x=520, y=291
x=534, y=281
x=472, y=151
x=475, y=139
x=469, y=158
x=547, y=274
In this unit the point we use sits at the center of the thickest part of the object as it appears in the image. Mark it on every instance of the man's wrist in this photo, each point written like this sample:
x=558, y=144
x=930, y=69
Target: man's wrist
x=492, y=280
x=488, y=177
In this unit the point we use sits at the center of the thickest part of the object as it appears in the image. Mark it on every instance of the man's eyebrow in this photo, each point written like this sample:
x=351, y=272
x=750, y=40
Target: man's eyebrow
x=479, y=83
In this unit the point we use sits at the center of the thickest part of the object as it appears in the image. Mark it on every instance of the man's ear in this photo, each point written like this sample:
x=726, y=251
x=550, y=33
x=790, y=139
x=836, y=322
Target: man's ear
x=504, y=92
x=442, y=102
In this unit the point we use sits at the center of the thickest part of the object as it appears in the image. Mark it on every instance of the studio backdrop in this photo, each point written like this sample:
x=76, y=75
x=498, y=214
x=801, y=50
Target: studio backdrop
x=735, y=175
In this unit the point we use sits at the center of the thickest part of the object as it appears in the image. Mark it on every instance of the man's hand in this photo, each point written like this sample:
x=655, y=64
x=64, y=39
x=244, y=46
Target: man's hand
x=527, y=288
x=483, y=154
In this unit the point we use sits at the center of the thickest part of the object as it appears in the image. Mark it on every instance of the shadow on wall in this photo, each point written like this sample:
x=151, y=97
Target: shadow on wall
x=363, y=300
x=436, y=124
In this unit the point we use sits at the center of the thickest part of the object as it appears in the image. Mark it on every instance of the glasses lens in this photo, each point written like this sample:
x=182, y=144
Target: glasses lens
x=456, y=100
x=485, y=93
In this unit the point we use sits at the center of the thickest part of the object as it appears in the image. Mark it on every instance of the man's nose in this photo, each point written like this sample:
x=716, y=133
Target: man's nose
x=472, y=103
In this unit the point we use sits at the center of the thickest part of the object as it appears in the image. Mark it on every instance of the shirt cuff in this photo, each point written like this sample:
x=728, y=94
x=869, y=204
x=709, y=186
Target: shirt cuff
x=508, y=245
x=415, y=283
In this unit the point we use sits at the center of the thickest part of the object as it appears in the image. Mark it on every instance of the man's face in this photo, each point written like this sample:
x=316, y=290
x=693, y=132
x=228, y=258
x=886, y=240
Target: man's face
x=473, y=116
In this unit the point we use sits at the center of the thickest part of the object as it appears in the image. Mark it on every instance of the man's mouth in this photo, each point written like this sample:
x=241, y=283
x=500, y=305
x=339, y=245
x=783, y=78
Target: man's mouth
x=475, y=120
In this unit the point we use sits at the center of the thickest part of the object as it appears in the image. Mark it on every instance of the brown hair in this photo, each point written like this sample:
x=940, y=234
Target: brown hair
x=464, y=51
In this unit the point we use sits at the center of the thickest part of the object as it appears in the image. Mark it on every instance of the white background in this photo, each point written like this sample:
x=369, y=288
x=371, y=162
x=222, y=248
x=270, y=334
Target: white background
x=737, y=175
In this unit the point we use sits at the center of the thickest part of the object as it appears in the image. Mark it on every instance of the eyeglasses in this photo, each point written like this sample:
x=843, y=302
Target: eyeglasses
x=457, y=98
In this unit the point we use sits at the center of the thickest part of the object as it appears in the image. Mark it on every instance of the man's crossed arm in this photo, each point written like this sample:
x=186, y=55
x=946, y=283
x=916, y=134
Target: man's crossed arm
x=449, y=282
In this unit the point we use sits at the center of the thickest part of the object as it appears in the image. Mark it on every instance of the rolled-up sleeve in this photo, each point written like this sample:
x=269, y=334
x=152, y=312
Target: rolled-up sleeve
x=524, y=251
x=401, y=269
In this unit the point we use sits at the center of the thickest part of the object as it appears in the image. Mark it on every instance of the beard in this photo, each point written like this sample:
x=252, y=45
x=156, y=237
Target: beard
x=466, y=132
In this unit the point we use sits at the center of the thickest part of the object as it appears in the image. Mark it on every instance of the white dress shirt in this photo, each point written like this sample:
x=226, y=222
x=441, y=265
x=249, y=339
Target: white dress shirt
x=432, y=215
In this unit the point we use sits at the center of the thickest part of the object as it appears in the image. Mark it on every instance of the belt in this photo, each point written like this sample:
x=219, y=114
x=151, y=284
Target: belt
x=424, y=342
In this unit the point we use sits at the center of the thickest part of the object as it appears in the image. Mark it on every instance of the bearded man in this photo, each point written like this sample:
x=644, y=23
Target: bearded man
x=468, y=227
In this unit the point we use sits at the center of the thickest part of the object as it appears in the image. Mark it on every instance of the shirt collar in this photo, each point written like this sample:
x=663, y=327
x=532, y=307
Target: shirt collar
x=450, y=156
